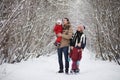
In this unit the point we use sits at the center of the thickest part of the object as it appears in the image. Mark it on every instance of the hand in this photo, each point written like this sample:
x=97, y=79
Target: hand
x=79, y=44
x=71, y=47
x=80, y=50
x=59, y=34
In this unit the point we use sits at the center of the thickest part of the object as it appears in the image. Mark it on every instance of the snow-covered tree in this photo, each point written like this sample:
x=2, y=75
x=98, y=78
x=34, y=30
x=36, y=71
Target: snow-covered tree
x=26, y=26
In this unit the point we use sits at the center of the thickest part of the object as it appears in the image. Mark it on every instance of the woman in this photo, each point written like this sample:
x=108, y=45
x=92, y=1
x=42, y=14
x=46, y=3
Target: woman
x=64, y=46
x=78, y=43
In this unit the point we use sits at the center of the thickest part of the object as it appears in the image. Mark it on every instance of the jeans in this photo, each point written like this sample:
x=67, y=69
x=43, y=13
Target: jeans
x=63, y=50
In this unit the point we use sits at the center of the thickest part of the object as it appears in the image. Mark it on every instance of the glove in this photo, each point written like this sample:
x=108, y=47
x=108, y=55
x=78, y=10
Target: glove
x=69, y=59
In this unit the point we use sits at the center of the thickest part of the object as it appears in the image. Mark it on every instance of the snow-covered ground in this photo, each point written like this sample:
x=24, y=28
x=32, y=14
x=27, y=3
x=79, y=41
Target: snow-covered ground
x=45, y=68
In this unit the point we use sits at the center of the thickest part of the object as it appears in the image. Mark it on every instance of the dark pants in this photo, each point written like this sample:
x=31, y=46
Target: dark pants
x=63, y=50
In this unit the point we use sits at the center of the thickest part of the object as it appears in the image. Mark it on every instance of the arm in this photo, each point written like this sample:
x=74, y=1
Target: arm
x=83, y=41
x=69, y=35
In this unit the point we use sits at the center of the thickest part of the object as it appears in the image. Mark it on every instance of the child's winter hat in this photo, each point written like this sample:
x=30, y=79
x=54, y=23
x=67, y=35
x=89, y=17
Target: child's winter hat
x=59, y=21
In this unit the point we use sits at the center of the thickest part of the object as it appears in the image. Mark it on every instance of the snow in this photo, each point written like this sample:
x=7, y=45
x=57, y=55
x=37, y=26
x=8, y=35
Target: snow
x=46, y=67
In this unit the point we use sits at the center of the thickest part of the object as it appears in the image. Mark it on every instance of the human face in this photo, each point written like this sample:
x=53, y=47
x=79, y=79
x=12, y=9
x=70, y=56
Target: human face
x=79, y=28
x=65, y=21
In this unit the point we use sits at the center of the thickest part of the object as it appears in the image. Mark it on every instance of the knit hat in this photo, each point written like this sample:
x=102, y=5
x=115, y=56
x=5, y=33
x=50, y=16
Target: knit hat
x=59, y=21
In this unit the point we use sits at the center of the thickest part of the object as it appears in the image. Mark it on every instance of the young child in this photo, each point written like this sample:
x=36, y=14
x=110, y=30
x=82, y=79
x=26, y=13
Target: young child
x=78, y=43
x=58, y=29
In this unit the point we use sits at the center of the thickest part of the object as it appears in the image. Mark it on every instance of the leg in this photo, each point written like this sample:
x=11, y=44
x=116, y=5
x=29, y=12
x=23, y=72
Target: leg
x=60, y=59
x=65, y=50
x=73, y=65
x=57, y=42
x=58, y=39
x=78, y=63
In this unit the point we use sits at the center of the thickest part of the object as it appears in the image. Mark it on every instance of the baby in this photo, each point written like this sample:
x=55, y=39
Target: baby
x=58, y=29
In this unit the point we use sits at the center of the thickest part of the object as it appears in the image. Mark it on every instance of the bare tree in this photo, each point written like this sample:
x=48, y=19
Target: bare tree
x=26, y=27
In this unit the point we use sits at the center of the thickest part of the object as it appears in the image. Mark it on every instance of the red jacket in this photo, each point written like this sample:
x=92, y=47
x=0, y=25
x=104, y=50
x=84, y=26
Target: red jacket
x=75, y=54
x=58, y=29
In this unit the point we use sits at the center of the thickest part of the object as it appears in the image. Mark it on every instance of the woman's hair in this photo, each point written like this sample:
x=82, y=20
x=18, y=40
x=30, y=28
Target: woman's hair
x=67, y=20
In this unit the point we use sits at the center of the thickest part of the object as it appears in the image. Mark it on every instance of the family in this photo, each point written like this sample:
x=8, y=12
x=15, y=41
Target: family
x=65, y=40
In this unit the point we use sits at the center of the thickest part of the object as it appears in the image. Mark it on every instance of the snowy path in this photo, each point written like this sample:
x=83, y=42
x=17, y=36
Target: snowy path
x=45, y=68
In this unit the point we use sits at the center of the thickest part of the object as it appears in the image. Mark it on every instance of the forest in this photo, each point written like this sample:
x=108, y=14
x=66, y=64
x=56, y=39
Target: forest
x=26, y=27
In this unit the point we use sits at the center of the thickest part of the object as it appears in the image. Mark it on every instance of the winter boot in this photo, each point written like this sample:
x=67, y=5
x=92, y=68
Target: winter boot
x=72, y=71
x=60, y=71
x=77, y=70
x=66, y=71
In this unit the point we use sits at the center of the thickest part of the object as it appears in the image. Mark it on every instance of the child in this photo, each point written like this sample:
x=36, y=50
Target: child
x=58, y=29
x=78, y=43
